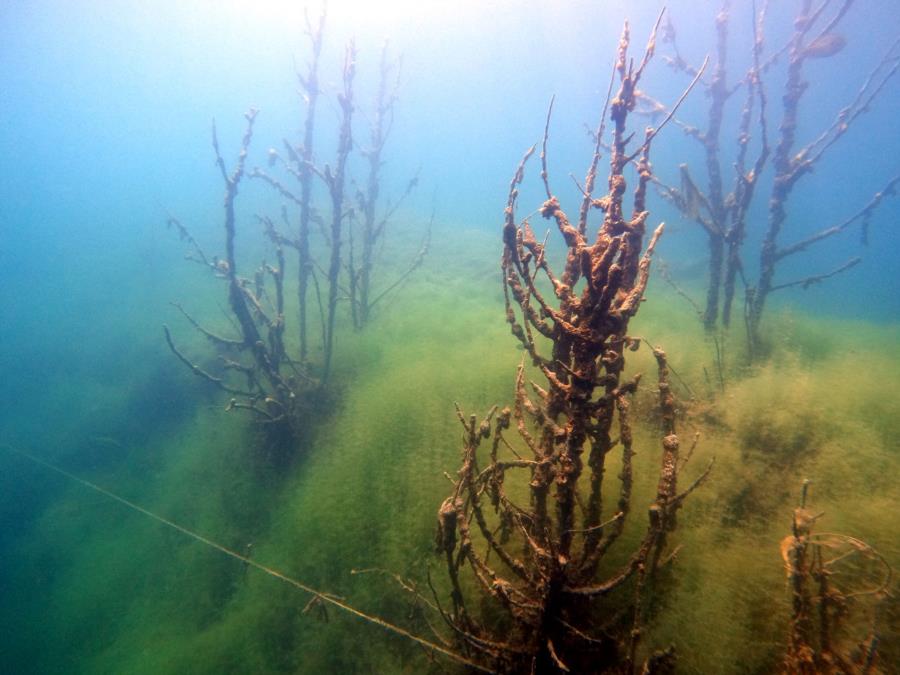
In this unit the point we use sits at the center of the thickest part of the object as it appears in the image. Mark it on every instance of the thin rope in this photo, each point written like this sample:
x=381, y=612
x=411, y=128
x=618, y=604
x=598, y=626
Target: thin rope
x=321, y=595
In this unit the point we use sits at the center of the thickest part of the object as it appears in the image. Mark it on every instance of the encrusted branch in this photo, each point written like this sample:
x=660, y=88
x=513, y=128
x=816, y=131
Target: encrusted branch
x=545, y=578
x=826, y=605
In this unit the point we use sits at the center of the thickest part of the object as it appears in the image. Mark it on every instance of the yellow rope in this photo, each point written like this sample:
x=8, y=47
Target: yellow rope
x=324, y=597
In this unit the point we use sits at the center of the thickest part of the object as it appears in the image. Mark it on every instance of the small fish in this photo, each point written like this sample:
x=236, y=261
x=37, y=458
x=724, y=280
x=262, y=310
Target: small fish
x=827, y=44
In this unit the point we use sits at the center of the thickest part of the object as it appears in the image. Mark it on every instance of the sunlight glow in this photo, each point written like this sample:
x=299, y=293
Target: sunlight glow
x=363, y=18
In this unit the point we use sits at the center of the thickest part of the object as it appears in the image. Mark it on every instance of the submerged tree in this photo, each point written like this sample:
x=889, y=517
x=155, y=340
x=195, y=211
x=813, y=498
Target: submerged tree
x=267, y=381
x=722, y=207
x=272, y=384
x=302, y=157
x=335, y=180
x=299, y=163
x=368, y=231
x=350, y=240
x=548, y=604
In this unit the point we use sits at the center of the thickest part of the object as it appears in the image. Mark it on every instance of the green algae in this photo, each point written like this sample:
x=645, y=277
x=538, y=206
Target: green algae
x=120, y=593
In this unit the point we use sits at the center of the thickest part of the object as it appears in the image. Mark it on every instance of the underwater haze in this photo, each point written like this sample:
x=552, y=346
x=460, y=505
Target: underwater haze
x=113, y=451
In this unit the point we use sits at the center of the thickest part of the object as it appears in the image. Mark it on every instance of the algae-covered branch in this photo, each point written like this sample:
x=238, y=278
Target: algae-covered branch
x=537, y=559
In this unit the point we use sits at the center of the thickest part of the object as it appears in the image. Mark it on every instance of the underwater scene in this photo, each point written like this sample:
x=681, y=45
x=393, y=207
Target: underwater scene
x=449, y=337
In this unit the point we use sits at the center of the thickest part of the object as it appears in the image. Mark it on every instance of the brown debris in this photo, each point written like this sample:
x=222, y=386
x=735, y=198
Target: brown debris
x=828, y=603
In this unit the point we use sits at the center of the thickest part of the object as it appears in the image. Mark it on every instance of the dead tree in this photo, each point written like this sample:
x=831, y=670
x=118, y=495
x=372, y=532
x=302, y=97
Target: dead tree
x=303, y=163
x=813, y=38
x=299, y=163
x=719, y=209
x=835, y=580
x=265, y=381
x=539, y=565
x=335, y=181
x=372, y=226
x=723, y=213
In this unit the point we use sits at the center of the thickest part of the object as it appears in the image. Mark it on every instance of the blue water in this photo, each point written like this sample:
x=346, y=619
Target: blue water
x=105, y=114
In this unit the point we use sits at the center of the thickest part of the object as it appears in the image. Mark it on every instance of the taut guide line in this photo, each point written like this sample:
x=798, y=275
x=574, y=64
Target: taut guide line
x=321, y=595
